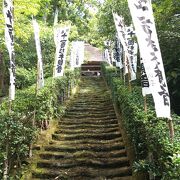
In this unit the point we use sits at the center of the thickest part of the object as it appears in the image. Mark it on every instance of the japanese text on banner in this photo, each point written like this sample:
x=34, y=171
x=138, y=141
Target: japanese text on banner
x=142, y=15
x=61, y=40
x=9, y=39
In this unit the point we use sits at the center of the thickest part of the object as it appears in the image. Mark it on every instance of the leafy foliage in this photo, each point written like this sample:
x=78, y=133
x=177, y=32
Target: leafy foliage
x=78, y=13
x=148, y=134
x=167, y=16
x=17, y=128
x=167, y=20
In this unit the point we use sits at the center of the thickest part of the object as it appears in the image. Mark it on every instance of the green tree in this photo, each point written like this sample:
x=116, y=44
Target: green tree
x=168, y=22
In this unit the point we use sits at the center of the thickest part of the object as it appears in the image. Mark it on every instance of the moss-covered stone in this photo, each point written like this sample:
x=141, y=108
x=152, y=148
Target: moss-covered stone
x=86, y=143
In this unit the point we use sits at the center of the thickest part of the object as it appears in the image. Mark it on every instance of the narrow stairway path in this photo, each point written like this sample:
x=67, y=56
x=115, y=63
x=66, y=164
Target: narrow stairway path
x=93, y=53
x=88, y=144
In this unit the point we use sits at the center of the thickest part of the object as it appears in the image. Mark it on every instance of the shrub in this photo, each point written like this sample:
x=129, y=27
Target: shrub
x=148, y=134
x=17, y=129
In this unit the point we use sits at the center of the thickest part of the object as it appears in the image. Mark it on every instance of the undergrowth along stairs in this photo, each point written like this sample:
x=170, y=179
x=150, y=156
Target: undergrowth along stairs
x=87, y=144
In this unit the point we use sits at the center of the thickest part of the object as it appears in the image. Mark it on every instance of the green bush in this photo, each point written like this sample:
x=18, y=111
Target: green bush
x=148, y=134
x=24, y=77
x=17, y=128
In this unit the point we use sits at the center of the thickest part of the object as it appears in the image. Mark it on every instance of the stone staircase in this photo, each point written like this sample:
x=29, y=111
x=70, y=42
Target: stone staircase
x=87, y=144
x=91, y=68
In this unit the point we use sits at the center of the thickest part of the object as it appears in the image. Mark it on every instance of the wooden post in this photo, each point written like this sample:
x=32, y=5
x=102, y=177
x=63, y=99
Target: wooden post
x=34, y=116
x=145, y=104
x=129, y=76
x=171, y=129
x=6, y=159
x=6, y=163
x=150, y=157
x=129, y=82
x=123, y=73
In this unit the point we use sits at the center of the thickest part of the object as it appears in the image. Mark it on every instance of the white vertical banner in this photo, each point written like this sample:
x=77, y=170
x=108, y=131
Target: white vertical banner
x=61, y=40
x=121, y=31
x=81, y=51
x=142, y=15
x=112, y=57
x=73, y=55
x=144, y=80
x=119, y=51
x=120, y=27
x=40, y=74
x=107, y=56
x=107, y=53
x=132, y=51
x=77, y=54
x=9, y=39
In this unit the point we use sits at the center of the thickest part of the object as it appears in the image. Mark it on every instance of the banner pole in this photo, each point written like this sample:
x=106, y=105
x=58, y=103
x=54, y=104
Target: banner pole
x=129, y=82
x=129, y=76
x=171, y=129
x=123, y=72
x=6, y=162
x=34, y=117
x=145, y=104
x=8, y=11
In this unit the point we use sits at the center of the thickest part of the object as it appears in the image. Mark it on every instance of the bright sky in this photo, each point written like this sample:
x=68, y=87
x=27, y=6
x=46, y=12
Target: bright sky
x=101, y=1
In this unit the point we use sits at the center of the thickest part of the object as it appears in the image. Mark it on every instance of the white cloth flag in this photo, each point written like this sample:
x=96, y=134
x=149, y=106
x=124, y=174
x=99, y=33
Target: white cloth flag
x=40, y=76
x=120, y=27
x=9, y=39
x=81, y=51
x=132, y=51
x=61, y=40
x=77, y=54
x=112, y=57
x=121, y=31
x=73, y=55
x=107, y=56
x=119, y=51
x=107, y=52
x=142, y=15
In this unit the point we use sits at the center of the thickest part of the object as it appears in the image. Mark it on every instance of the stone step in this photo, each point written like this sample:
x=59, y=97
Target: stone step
x=89, y=99
x=93, y=106
x=91, y=109
x=84, y=162
x=77, y=109
x=82, y=154
x=90, y=122
x=87, y=144
x=92, y=102
x=87, y=126
x=93, y=95
x=94, y=131
x=84, y=143
x=92, y=113
x=83, y=173
x=89, y=178
x=102, y=136
x=91, y=119
x=93, y=148
x=76, y=116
